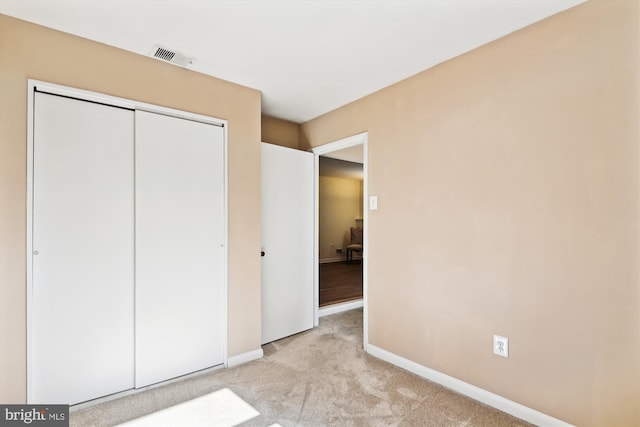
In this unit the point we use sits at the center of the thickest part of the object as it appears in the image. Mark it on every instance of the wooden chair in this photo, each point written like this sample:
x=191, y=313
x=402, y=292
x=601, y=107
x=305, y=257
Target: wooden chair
x=356, y=243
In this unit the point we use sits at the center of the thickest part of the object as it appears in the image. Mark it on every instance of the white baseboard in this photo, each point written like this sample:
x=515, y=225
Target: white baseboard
x=231, y=362
x=339, y=308
x=244, y=357
x=476, y=393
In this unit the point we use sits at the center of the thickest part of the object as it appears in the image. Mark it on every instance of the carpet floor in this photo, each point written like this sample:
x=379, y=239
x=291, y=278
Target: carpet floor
x=316, y=378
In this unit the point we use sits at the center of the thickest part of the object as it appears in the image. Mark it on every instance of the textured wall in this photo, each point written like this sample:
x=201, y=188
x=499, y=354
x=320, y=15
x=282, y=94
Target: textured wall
x=280, y=132
x=340, y=203
x=508, y=190
x=31, y=51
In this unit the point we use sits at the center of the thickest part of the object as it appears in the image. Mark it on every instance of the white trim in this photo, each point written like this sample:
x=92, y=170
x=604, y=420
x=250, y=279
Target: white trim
x=32, y=86
x=340, y=144
x=225, y=252
x=340, y=307
x=316, y=239
x=365, y=242
x=469, y=390
x=116, y=101
x=350, y=141
x=29, y=234
x=244, y=357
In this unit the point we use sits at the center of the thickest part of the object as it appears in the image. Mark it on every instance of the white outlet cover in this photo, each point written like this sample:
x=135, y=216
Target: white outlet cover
x=501, y=346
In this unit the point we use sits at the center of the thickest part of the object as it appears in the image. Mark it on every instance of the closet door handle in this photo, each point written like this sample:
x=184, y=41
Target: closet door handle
x=262, y=253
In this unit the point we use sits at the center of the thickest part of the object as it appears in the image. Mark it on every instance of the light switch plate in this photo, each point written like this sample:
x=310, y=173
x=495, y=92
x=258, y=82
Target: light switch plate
x=373, y=203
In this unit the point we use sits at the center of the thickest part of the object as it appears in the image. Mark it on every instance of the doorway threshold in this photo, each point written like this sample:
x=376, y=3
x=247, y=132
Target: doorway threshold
x=340, y=307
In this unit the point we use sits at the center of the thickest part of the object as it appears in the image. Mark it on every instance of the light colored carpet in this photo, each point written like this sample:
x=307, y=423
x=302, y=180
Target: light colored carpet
x=320, y=377
x=217, y=409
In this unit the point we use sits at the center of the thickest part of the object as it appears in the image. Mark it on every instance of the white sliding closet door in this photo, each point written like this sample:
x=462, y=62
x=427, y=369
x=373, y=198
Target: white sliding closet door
x=179, y=247
x=81, y=309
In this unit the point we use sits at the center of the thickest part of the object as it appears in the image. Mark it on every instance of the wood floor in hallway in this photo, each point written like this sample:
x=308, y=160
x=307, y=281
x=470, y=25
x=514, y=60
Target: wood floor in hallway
x=340, y=282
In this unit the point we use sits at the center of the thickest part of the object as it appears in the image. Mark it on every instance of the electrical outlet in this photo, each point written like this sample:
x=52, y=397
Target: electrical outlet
x=501, y=346
x=338, y=250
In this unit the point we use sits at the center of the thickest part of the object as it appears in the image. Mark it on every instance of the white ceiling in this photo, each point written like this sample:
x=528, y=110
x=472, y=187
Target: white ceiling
x=307, y=57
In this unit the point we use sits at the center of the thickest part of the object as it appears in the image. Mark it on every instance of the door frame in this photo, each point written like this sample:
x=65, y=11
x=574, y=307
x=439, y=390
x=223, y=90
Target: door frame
x=350, y=141
x=90, y=96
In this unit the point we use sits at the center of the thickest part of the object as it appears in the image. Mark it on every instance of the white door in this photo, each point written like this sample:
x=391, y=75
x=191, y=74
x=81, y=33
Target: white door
x=287, y=241
x=81, y=343
x=180, y=210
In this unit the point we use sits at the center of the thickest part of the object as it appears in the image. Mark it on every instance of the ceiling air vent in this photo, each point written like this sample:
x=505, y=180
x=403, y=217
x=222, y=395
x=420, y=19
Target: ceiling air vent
x=168, y=55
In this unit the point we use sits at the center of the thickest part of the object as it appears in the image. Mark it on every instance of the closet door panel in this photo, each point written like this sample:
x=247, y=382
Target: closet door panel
x=179, y=252
x=81, y=310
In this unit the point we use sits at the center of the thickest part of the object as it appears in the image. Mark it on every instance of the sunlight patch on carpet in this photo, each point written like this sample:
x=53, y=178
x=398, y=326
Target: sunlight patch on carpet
x=222, y=408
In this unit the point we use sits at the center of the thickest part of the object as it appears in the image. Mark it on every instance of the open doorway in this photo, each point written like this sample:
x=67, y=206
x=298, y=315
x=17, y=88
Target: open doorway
x=340, y=226
x=351, y=149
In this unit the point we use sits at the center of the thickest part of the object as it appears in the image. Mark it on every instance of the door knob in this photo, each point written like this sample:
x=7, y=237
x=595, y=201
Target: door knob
x=261, y=253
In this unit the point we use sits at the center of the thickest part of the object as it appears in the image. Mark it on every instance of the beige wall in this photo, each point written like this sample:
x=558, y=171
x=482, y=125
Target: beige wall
x=340, y=203
x=30, y=51
x=511, y=173
x=280, y=132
